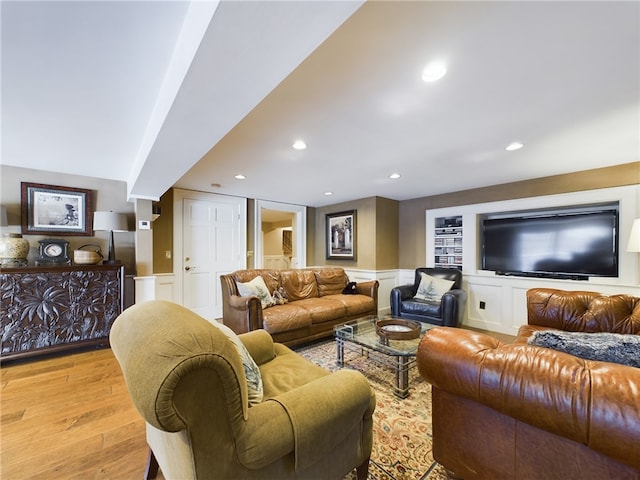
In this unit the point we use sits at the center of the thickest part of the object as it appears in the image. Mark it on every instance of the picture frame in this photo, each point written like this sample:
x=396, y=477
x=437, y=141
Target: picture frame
x=341, y=235
x=50, y=209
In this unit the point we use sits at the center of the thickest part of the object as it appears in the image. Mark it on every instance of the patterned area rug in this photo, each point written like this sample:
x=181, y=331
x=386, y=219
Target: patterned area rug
x=401, y=428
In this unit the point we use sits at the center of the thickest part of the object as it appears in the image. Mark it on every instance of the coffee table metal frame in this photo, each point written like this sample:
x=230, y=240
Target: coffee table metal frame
x=360, y=336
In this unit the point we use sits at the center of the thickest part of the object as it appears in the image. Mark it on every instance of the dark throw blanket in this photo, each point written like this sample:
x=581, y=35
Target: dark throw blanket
x=604, y=347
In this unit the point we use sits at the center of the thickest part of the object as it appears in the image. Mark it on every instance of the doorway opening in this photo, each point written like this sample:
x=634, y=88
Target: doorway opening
x=280, y=231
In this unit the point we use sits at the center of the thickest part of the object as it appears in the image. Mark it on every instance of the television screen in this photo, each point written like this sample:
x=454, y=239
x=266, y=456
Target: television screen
x=563, y=244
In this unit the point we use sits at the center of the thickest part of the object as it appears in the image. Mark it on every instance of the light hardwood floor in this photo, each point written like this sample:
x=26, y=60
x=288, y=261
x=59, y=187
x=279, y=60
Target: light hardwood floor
x=69, y=417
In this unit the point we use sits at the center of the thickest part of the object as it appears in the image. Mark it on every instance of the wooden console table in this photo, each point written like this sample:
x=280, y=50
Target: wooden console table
x=52, y=309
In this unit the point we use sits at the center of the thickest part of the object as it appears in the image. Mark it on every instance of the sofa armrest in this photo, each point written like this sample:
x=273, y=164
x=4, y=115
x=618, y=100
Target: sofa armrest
x=452, y=304
x=243, y=314
x=327, y=408
x=370, y=288
x=593, y=403
x=398, y=295
x=260, y=345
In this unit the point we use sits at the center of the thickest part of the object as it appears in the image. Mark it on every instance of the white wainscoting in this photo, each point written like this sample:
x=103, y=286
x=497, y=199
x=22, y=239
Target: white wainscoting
x=387, y=279
x=503, y=309
x=504, y=302
x=155, y=287
x=276, y=262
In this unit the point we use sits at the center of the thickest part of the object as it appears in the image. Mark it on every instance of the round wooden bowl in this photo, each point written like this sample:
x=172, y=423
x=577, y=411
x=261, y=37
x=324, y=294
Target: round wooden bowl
x=395, y=329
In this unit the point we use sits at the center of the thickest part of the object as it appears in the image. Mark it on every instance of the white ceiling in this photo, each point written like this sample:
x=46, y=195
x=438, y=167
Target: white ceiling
x=162, y=93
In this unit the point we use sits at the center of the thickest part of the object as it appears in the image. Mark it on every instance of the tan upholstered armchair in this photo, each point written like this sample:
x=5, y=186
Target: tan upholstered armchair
x=187, y=379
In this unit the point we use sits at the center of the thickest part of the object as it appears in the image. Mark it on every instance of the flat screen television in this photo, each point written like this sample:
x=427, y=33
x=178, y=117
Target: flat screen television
x=574, y=245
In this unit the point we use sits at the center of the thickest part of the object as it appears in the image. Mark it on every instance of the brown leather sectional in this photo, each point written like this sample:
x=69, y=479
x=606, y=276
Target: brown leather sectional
x=516, y=411
x=315, y=303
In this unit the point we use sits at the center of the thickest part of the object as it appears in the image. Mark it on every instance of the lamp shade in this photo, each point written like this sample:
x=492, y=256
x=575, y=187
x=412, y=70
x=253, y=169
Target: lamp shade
x=634, y=238
x=3, y=217
x=110, y=221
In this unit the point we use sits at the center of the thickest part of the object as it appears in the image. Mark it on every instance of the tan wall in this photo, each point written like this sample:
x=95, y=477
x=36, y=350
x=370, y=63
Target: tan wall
x=109, y=195
x=163, y=235
x=412, y=219
x=387, y=241
x=311, y=238
x=376, y=234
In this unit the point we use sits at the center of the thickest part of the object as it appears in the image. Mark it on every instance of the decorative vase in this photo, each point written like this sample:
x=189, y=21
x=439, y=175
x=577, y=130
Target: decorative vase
x=13, y=250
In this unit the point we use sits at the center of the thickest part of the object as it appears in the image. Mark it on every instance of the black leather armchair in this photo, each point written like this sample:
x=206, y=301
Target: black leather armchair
x=448, y=313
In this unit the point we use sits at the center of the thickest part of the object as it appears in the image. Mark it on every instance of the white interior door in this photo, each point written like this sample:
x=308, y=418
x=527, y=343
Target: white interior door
x=213, y=243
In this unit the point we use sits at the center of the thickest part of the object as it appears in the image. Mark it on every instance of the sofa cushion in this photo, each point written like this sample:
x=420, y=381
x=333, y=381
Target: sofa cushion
x=330, y=281
x=421, y=307
x=432, y=288
x=288, y=371
x=256, y=288
x=251, y=370
x=354, y=304
x=604, y=347
x=324, y=309
x=299, y=284
x=282, y=318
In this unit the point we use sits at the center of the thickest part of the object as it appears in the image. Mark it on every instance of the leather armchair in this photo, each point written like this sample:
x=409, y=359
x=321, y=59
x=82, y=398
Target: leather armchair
x=520, y=411
x=187, y=380
x=449, y=312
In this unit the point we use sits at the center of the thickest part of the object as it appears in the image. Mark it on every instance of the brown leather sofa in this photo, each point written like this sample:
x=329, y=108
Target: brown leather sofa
x=517, y=411
x=315, y=303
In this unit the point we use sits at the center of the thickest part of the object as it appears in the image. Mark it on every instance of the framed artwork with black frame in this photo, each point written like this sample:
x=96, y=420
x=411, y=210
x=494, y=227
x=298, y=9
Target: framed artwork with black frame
x=49, y=209
x=341, y=235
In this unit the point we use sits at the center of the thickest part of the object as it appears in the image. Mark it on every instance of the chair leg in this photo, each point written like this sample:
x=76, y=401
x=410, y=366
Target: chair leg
x=152, y=466
x=363, y=470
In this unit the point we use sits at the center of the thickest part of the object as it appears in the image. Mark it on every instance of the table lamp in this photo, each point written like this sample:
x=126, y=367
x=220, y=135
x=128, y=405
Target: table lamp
x=110, y=222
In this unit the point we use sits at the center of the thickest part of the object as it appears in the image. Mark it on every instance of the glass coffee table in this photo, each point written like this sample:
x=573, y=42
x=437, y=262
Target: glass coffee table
x=360, y=335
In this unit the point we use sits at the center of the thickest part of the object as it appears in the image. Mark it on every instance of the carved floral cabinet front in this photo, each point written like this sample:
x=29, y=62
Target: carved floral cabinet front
x=52, y=309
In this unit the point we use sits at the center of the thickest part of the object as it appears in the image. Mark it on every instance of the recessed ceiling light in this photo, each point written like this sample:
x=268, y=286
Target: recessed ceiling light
x=514, y=146
x=240, y=177
x=395, y=175
x=299, y=145
x=434, y=71
x=328, y=193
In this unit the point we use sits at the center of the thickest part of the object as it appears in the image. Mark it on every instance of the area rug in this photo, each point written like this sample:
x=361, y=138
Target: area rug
x=401, y=427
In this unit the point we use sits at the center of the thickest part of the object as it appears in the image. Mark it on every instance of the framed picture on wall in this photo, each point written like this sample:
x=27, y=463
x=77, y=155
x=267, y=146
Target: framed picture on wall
x=341, y=235
x=49, y=209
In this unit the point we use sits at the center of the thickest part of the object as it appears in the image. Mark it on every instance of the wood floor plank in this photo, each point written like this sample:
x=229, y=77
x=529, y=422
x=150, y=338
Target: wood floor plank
x=69, y=418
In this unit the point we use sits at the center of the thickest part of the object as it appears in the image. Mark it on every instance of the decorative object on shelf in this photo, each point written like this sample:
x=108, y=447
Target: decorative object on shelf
x=634, y=237
x=53, y=252
x=341, y=235
x=87, y=257
x=110, y=222
x=448, y=242
x=396, y=329
x=13, y=248
x=48, y=209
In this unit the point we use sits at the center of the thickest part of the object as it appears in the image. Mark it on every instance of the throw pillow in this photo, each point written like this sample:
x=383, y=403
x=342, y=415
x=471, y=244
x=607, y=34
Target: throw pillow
x=431, y=288
x=256, y=288
x=604, y=346
x=251, y=370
